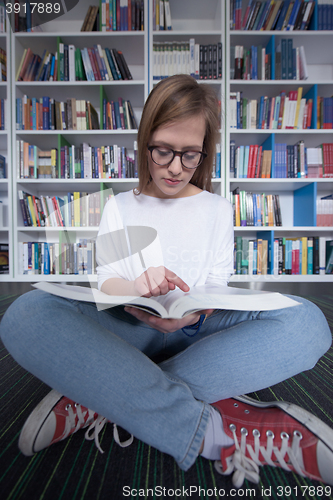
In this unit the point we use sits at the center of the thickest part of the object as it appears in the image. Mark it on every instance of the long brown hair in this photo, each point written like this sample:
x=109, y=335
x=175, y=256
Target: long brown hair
x=177, y=98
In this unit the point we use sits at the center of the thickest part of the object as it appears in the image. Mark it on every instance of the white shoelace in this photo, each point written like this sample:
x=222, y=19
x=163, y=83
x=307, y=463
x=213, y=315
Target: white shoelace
x=94, y=428
x=248, y=468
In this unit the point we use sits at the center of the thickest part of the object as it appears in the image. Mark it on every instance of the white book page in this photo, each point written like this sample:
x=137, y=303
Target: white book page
x=177, y=304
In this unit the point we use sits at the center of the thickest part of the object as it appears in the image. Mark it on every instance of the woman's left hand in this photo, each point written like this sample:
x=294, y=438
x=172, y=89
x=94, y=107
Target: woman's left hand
x=166, y=325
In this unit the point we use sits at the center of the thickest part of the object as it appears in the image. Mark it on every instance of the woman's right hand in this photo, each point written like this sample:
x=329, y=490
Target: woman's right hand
x=158, y=281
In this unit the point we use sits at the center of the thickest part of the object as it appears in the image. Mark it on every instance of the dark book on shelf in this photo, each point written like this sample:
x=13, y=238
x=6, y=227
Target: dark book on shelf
x=2, y=167
x=316, y=255
x=91, y=23
x=123, y=66
x=4, y=258
x=86, y=19
x=329, y=257
x=92, y=117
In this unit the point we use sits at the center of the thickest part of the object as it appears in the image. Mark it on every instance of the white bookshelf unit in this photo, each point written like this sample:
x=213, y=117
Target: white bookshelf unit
x=134, y=45
x=203, y=22
x=6, y=222
x=208, y=24
x=298, y=212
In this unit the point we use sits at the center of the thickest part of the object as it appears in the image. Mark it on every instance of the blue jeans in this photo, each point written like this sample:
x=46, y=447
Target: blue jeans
x=106, y=360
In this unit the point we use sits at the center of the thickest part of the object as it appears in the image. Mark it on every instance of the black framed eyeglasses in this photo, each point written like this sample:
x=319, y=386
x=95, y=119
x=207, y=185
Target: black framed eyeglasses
x=163, y=156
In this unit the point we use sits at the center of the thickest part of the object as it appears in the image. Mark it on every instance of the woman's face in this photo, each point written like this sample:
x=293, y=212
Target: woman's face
x=172, y=180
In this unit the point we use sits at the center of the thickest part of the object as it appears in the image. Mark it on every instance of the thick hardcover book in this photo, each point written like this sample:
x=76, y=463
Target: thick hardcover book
x=177, y=304
x=122, y=63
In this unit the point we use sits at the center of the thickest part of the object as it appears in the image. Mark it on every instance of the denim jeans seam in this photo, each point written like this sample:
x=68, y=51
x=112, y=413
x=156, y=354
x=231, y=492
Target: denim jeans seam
x=173, y=379
x=175, y=356
x=195, y=436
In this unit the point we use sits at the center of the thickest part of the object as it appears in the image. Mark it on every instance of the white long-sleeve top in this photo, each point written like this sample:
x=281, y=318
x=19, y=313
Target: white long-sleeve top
x=191, y=236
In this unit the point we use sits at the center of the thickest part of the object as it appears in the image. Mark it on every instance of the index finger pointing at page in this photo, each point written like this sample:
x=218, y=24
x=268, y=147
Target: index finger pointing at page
x=170, y=276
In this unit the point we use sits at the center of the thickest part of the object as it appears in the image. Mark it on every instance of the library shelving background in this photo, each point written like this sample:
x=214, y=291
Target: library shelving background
x=259, y=163
x=260, y=62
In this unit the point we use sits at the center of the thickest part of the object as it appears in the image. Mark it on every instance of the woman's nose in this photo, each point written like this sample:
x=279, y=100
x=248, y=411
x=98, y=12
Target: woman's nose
x=176, y=165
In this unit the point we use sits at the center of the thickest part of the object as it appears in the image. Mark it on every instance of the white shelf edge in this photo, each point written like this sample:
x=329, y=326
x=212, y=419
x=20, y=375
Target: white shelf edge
x=60, y=228
x=88, y=278
x=187, y=33
x=287, y=229
x=76, y=132
x=281, y=278
x=78, y=34
x=280, y=82
x=281, y=179
x=280, y=33
x=280, y=131
x=76, y=181
x=84, y=83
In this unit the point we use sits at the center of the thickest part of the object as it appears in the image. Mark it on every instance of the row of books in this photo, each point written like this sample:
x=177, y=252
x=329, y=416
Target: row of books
x=254, y=63
x=298, y=161
x=91, y=162
x=92, y=64
x=28, y=16
x=4, y=258
x=255, y=209
x=320, y=161
x=3, y=113
x=289, y=256
x=297, y=256
x=2, y=18
x=70, y=210
x=3, y=63
x=200, y=61
x=249, y=161
x=324, y=210
x=2, y=220
x=216, y=173
x=305, y=255
x=45, y=113
x=113, y=15
x=325, y=15
x=76, y=162
x=57, y=258
x=118, y=115
x=122, y=15
x=75, y=64
x=251, y=256
x=290, y=161
x=324, y=112
x=161, y=15
x=285, y=111
x=278, y=15
x=33, y=67
x=91, y=21
x=3, y=170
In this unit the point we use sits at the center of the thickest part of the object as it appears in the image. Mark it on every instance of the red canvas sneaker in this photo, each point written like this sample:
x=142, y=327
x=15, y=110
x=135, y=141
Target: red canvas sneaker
x=277, y=433
x=57, y=417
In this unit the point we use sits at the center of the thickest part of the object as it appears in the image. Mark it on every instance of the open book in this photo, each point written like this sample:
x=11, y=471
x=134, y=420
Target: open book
x=177, y=304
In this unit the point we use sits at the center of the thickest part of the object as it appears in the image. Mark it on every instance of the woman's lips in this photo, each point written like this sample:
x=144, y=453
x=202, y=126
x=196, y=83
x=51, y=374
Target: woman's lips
x=172, y=182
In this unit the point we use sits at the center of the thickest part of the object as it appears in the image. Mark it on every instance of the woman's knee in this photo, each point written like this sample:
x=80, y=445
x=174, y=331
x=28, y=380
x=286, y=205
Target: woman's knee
x=308, y=319
x=25, y=314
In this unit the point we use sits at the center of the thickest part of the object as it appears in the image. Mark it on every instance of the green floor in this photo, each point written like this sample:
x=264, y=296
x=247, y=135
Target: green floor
x=74, y=469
